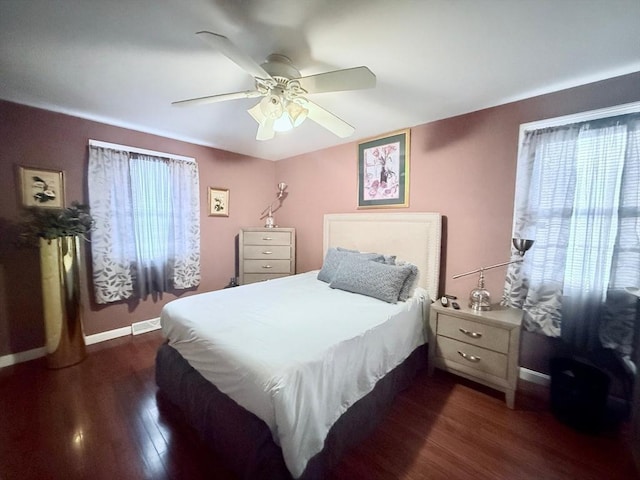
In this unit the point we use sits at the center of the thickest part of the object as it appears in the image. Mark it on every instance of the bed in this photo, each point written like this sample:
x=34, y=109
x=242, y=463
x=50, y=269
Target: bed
x=280, y=378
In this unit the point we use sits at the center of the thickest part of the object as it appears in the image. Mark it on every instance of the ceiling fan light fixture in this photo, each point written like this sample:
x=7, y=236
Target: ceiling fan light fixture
x=297, y=113
x=284, y=123
x=272, y=106
x=257, y=114
x=282, y=87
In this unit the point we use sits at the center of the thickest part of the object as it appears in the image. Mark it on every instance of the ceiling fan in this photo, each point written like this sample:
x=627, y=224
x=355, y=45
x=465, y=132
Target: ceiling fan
x=285, y=105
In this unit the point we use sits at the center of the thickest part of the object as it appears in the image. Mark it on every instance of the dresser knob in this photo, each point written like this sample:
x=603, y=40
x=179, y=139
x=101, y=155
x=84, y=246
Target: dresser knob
x=267, y=266
x=470, y=334
x=267, y=238
x=471, y=358
x=267, y=252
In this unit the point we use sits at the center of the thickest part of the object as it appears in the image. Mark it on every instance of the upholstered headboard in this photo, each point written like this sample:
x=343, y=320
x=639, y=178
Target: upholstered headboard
x=412, y=237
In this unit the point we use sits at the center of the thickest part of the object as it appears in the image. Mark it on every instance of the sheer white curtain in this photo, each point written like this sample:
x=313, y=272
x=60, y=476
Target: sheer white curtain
x=146, y=237
x=577, y=195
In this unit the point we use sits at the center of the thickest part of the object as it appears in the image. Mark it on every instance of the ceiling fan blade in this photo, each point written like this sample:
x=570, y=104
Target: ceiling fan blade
x=265, y=130
x=244, y=61
x=328, y=120
x=356, y=78
x=217, y=98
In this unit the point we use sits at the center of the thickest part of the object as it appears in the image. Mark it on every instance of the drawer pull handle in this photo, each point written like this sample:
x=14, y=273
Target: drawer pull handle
x=471, y=358
x=267, y=238
x=267, y=266
x=470, y=334
x=267, y=252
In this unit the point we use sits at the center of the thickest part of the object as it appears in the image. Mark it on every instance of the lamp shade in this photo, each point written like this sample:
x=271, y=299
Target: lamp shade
x=522, y=245
x=297, y=113
x=277, y=113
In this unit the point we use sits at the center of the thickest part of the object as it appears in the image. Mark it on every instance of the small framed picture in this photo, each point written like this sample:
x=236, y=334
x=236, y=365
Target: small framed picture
x=41, y=187
x=383, y=171
x=218, y=202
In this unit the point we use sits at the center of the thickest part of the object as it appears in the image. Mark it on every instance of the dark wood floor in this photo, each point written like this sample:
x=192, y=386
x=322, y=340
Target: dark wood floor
x=101, y=419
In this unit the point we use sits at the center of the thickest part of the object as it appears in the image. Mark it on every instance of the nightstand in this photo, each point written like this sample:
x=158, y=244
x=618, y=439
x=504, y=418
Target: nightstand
x=480, y=346
x=266, y=253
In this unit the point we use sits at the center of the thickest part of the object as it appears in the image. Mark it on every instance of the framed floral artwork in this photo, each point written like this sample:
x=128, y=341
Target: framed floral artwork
x=383, y=171
x=41, y=187
x=218, y=202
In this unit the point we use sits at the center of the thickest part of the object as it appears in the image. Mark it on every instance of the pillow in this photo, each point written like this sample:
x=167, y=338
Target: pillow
x=410, y=282
x=371, y=278
x=333, y=258
x=388, y=259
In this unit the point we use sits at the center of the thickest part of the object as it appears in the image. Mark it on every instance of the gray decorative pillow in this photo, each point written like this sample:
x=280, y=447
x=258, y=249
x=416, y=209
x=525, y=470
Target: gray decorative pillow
x=371, y=278
x=334, y=257
x=388, y=259
x=410, y=282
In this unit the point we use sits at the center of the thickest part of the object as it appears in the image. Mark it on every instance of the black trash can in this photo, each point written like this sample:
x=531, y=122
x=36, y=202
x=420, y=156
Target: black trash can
x=579, y=393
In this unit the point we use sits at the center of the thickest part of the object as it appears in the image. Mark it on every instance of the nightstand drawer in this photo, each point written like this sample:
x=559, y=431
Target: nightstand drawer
x=267, y=266
x=481, y=346
x=481, y=335
x=474, y=357
x=267, y=238
x=267, y=252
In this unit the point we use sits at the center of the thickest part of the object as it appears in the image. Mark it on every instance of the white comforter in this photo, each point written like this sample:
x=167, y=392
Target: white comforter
x=293, y=351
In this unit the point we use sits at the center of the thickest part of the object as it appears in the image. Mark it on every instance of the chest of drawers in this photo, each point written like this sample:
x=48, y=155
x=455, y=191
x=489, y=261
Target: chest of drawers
x=480, y=346
x=266, y=253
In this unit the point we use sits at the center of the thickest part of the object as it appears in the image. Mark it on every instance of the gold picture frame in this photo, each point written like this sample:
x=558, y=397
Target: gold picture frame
x=383, y=171
x=41, y=187
x=218, y=202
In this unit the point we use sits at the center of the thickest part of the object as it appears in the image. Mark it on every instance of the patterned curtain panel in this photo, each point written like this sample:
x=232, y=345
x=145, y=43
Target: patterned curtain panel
x=146, y=237
x=578, y=197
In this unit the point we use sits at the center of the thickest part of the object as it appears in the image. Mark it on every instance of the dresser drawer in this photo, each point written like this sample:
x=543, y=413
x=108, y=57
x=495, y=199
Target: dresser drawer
x=267, y=238
x=267, y=266
x=267, y=252
x=481, y=335
x=472, y=356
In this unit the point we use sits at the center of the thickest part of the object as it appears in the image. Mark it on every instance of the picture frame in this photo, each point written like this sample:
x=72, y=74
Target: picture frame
x=41, y=187
x=383, y=171
x=218, y=202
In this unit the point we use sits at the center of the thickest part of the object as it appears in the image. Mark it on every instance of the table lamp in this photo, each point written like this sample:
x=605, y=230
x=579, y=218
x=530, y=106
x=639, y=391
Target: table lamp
x=480, y=298
x=269, y=220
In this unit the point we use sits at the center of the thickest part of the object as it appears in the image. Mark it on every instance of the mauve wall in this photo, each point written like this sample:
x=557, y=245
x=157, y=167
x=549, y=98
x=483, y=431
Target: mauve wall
x=30, y=136
x=463, y=167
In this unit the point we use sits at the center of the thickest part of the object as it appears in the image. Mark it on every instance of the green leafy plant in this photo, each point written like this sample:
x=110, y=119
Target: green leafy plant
x=54, y=223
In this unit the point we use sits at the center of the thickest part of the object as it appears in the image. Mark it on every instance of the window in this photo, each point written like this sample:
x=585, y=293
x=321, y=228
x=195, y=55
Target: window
x=146, y=208
x=578, y=197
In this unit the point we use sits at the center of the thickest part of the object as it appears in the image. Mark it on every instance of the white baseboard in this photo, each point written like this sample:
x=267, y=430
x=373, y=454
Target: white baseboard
x=145, y=326
x=19, y=357
x=535, y=377
x=140, y=327
x=108, y=335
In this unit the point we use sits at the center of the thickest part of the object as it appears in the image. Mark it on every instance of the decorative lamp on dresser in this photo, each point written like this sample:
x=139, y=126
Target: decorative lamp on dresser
x=266, y=253
x=482, y=346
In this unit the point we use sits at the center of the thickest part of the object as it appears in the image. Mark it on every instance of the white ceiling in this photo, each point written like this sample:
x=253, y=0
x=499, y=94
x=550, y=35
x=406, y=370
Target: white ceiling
x=124, y=62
